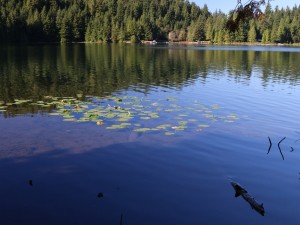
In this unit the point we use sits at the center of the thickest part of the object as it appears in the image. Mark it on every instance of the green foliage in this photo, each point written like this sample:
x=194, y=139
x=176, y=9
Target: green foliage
x=131, y=20
x=252, y=32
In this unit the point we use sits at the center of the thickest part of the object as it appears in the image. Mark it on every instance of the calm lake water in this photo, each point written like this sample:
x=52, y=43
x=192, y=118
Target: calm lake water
x=153, y=134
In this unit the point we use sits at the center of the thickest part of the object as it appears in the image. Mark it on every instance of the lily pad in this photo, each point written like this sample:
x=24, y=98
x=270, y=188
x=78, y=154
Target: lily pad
x=54, y=114
x=142, y=129
x=208, y=115
x=203, y=125
x=145, y=118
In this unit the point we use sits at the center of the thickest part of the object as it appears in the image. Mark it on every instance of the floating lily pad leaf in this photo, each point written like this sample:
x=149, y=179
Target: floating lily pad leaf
x=208, y=115
x=3, y=110
x=171, y=99
x=169, y=110
x=183, y=115
x=128, y=103
x=154, y=115
x=232, y=116
x=124, y=115
x=54, y=114
x=116, y=126
x=9, y=103
x=1, y=102
x=208, y=111
x=190, y=108
x=145, y=118
x=192, y=120
x=142, y=114
x=198, y=110
x=69, y=119
x=175, y=106
x=123, y=119
x=138, y=106
x=215, y=107
x=117, y=99
x=169, y=133
x=125, y=124
x=179, y=128
x=110, y=115
x=229, y=121
x=137, y=124
x=83, y=120
x=69, y=98
x=164, y=126
x=203, y=125
x=79, y=95
x=142, y=129
x=183, y=122
x=79, y=110
x=17, y=103
x=3, y=107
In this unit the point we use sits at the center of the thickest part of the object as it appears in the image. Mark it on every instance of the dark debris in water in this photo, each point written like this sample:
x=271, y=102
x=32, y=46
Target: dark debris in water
x=30, y=183
x=279, y=148
x=241, y=191
x=100, y=195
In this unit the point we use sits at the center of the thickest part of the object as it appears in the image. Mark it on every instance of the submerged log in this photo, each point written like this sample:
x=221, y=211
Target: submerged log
x=240, y=191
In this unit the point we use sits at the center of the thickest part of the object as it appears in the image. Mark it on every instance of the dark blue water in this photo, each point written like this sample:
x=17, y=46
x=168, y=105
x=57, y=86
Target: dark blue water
x=247, y=94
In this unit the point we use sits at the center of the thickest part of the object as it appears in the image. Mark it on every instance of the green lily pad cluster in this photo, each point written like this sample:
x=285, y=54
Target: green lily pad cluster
x=2, y=106
x=132, y=113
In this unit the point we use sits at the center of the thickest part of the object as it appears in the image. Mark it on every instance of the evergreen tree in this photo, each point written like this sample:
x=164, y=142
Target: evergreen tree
x=266, y=37
x=252, y=32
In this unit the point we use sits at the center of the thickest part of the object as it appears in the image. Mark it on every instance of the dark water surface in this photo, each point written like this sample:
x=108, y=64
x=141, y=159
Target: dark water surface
x=178, y=124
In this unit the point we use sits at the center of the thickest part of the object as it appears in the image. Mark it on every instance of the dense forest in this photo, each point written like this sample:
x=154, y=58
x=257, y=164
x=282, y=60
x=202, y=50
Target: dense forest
x=132, y=20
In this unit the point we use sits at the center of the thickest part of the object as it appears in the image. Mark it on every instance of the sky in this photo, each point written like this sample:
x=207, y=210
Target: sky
x=226, y=5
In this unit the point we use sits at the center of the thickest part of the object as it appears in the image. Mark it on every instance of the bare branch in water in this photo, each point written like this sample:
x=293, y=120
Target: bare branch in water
x=292, y=149
x=280, y=148
x=270, y=145
x=121, y=219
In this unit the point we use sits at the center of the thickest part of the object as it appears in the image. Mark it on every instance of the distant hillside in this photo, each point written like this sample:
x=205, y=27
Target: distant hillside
x=132, y=20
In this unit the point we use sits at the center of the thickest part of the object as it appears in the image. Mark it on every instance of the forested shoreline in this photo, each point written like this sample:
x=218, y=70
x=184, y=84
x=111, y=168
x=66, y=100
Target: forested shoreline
x=135, y=21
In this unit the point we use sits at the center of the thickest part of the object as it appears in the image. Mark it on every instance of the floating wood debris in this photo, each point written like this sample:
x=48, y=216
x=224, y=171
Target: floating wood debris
x=240, y=191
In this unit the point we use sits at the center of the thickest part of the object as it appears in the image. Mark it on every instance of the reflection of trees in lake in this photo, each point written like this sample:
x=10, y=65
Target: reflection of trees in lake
x=33, y=72
x=98, y=69
x=271, y=66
